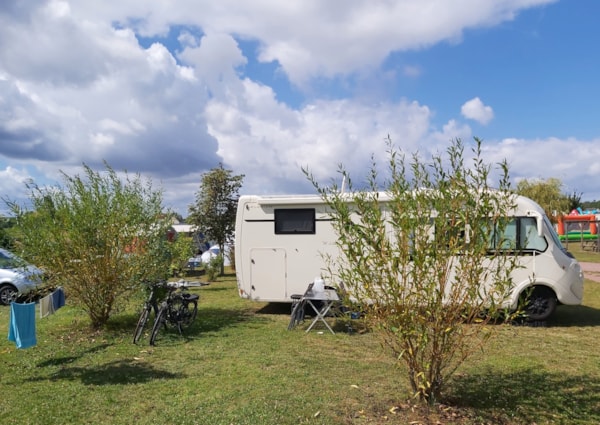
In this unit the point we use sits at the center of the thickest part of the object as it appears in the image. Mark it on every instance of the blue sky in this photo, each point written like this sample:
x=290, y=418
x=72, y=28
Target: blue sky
x=170, y=89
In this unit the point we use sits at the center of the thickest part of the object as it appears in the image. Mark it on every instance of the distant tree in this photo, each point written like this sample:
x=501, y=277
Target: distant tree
x=98, y=236
x=415, y=263
x=548, y=194
x=574, y=200
x=7, y=239
x=215, y=208
x=590, y=204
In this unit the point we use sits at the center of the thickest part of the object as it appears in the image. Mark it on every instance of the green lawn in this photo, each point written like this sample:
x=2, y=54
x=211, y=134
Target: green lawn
x=238, y=364
x=583, y=253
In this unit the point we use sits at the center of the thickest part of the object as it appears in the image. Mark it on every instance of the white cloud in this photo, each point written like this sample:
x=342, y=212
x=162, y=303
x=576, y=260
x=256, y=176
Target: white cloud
x=215, y=59
x=474, y=109
x=271, y=142
x=571, y=160
x=102, y=140
x=11, y=176
x=77, y=85
x=412, y=71
x=93, y=82
x=314, y=38
x=12, y=183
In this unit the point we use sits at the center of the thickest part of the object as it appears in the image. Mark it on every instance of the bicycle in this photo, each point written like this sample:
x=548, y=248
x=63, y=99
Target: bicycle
x=179, y=309
x=150, y=304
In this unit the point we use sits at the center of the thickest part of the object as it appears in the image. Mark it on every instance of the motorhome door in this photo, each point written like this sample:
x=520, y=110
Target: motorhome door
x=268, y=275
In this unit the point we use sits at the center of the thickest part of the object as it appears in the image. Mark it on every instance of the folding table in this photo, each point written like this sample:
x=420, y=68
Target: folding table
x=321, y=303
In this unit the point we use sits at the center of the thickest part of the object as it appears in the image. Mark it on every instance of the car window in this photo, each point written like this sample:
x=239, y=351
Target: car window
x=7, y=262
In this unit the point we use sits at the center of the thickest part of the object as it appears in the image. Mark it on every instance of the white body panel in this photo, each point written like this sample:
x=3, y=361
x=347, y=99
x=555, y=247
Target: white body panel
x=272, y=267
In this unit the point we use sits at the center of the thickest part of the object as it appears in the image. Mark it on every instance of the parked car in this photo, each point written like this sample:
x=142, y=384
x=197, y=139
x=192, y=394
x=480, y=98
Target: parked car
x=194, y=262
x=16, y=277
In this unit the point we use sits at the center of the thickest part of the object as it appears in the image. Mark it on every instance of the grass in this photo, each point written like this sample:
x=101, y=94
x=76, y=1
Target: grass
x=238, y=364
x=583, y=253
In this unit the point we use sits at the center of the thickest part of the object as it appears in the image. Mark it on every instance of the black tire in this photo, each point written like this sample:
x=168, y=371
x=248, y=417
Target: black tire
x=141, y=324
x=8, y=294
x=189, y=313
x=186, y=314
x=160, y=321
x=540, y=303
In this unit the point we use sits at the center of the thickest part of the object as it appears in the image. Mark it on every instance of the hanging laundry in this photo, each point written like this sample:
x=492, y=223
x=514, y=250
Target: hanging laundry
x=21, y=329
x=47, y=305
x=58, y=298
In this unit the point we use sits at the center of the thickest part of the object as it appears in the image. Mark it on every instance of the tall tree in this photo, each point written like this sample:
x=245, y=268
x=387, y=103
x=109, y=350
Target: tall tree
x=98, y=236
x=547, y=193
x=216, y=205
x=416, y=262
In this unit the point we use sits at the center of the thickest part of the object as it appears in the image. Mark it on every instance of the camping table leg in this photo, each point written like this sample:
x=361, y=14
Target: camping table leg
x=321, y=313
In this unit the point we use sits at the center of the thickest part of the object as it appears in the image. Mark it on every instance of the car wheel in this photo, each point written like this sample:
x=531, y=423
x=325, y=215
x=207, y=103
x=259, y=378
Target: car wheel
x=8, y=294
x=540, y=304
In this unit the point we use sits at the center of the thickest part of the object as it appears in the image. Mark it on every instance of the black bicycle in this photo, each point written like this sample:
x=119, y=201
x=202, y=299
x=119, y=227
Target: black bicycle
x=151, y=303
x=179, y=309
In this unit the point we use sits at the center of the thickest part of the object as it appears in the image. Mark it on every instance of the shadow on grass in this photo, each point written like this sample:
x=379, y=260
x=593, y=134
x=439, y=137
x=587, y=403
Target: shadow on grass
x=565, y=316
x=575, y=315
x=209, y=320
x=118, y=372
x=340, y=323
x=276, y=308
x=527, y=396
x=213, y=288
x=59, y=361
x=216, y=319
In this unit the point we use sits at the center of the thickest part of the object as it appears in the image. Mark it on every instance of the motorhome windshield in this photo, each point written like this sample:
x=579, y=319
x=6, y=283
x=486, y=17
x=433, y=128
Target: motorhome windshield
x=552, y=232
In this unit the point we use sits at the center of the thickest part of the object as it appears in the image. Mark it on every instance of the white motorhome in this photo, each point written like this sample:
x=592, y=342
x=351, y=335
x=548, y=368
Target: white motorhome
x=281, y=240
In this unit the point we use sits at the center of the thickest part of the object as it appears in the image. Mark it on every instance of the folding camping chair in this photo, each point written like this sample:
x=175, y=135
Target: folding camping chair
x=298, y=306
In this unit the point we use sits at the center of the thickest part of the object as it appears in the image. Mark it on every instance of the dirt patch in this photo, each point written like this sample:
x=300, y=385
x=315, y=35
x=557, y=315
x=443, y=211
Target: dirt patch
x=591, y=271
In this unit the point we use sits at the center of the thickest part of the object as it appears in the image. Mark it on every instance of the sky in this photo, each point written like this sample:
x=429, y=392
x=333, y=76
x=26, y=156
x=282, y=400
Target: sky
x=170, y=89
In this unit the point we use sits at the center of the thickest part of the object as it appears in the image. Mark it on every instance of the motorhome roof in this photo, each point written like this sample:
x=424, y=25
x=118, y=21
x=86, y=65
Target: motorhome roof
x=281, y=199
x=523, y=203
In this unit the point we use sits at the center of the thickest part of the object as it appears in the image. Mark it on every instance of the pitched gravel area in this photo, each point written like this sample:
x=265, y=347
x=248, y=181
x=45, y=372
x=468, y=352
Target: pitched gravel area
x=591, y=271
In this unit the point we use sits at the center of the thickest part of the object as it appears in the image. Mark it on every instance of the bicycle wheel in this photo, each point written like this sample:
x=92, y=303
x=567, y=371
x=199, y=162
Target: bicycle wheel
x=160, y=320
x=141, y=324
x=188, y=312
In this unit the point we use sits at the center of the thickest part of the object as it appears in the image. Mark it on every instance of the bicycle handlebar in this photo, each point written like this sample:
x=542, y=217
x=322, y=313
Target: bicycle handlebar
x=179, y=284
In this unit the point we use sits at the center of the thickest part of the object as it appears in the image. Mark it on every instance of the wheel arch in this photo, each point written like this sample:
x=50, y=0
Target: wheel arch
x=520, y=290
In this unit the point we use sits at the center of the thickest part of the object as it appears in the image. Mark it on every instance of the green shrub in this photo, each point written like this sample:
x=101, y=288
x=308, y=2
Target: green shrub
x=214, y=267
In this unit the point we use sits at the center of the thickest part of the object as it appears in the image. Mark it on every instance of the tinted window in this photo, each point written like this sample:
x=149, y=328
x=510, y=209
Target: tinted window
x=295, y=221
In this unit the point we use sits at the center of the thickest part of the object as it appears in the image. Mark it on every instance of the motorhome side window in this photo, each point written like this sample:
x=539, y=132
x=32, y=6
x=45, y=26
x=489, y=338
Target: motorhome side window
x=521, y=234
x=530, y=240
x=295, y=221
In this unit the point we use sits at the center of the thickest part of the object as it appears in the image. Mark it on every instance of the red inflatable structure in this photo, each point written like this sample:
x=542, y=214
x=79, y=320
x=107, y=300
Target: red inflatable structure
x=576, y=226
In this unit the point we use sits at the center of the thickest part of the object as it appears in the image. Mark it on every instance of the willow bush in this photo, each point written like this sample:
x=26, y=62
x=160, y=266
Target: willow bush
x=419, y=257
x=98, y=236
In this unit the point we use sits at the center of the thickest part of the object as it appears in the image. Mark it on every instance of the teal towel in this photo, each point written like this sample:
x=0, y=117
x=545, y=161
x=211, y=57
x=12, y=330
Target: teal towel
x=21, y=329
